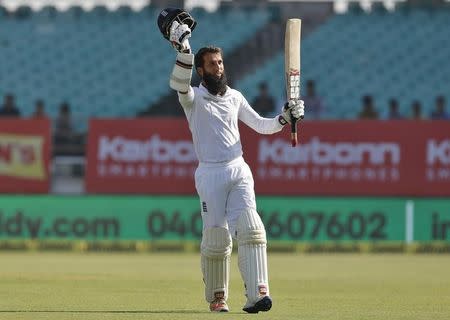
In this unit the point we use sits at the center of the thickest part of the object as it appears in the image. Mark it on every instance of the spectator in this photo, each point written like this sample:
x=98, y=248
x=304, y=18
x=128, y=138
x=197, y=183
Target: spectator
x=394, y=113
x=439, y=112
x=39, y=110
x=66, y=140
x=416, y=110
x=313, y=102
x=368, y=110
x=9, y=108
x=63, y=125
x=264, y=103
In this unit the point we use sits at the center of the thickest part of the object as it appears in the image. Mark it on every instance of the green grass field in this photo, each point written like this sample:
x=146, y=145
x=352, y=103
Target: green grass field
x=168, y=286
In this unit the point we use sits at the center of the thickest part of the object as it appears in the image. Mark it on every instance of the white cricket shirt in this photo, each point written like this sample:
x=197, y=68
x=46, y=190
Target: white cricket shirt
x=213, y=121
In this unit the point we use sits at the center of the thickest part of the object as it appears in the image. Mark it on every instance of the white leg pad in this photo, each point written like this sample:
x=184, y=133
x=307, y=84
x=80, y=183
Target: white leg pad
x=252, y=257
x=215, y=250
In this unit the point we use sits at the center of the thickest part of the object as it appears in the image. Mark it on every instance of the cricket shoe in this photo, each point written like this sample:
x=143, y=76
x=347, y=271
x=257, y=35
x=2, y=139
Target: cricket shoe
x=219, y=304
x=263, y=304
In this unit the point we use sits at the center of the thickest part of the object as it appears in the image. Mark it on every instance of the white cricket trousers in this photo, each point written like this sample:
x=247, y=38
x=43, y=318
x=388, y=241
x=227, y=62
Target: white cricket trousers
x=225, y=190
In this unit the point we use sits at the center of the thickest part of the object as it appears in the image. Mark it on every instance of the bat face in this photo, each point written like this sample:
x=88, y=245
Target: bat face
x=292, y=67
x=292, y=58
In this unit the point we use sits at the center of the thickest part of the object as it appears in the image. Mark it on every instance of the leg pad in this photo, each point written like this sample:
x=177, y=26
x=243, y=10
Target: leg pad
x=252, y=257
x=215, y=250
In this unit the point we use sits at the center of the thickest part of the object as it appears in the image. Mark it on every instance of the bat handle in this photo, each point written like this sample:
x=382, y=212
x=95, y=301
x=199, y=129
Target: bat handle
x=293, y=131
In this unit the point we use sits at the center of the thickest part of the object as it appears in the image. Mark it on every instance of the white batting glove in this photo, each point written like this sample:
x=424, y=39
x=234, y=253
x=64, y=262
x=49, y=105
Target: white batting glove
x=292, y=109
x=179, y=35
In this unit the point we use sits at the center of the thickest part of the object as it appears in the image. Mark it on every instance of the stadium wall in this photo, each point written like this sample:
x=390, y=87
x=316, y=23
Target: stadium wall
x=151, y=223
x=371, y=188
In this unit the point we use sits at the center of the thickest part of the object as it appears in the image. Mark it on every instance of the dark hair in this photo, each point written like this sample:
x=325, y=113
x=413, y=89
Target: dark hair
x=64, y=107
x=263, y=85
x=198, y=59
x=440, y=99
x=367, y=99
x=393, y=102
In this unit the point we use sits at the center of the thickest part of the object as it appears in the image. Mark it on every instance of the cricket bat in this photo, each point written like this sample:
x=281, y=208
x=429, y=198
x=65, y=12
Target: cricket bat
x=292, y=66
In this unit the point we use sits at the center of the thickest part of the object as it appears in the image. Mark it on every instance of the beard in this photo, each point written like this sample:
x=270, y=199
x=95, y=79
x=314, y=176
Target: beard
x=214, y=84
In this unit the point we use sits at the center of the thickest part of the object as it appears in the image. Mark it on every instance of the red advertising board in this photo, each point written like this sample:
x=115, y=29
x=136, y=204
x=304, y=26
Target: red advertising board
x=398, y=158
x=140, y=156
x=24, y=155
x=390, y=158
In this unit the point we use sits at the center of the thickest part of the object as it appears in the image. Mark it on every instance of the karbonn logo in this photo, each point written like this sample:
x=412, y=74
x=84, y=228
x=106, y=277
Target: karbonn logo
x=153, y=149
x=438, y=152
x=325, y=153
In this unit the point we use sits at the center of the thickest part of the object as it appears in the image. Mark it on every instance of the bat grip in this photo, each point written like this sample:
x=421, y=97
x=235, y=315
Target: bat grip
x=293, y=131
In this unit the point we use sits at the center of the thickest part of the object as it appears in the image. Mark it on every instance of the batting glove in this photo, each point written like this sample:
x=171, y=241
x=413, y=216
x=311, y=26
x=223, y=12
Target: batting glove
x=292, y=109
x=179, y=35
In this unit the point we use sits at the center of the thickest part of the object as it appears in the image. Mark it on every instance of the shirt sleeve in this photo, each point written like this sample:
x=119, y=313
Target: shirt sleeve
x=260, y=124
x=186, y=99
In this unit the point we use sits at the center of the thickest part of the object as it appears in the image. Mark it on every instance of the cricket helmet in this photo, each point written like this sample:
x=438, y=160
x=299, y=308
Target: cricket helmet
x=169, y=15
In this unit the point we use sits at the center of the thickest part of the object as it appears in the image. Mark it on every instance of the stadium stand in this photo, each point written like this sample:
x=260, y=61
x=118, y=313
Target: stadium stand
x=104, y=63
x=115, y=63
x=384, y=54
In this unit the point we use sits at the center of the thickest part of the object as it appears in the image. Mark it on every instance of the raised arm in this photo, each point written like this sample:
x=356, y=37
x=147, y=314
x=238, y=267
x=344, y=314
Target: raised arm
x=269, y=125
x=176, y=26
x=180, y=79
x=260, y=124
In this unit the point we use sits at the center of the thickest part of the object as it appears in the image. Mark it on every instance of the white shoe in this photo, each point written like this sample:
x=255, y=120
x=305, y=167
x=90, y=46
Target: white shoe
x=219, y=304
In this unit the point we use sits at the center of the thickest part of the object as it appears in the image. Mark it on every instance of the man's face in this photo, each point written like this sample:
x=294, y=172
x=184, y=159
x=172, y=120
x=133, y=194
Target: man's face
x=212, y=64
x=213, y=73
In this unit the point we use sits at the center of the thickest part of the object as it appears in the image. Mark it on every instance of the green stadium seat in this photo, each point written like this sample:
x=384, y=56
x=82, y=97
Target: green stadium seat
x=124, y=10
x=99, y=11
x=47, y=12
x=73, y=12
x=378, y=7
x=354, y=7
x=3, y=12
x=22, y=12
